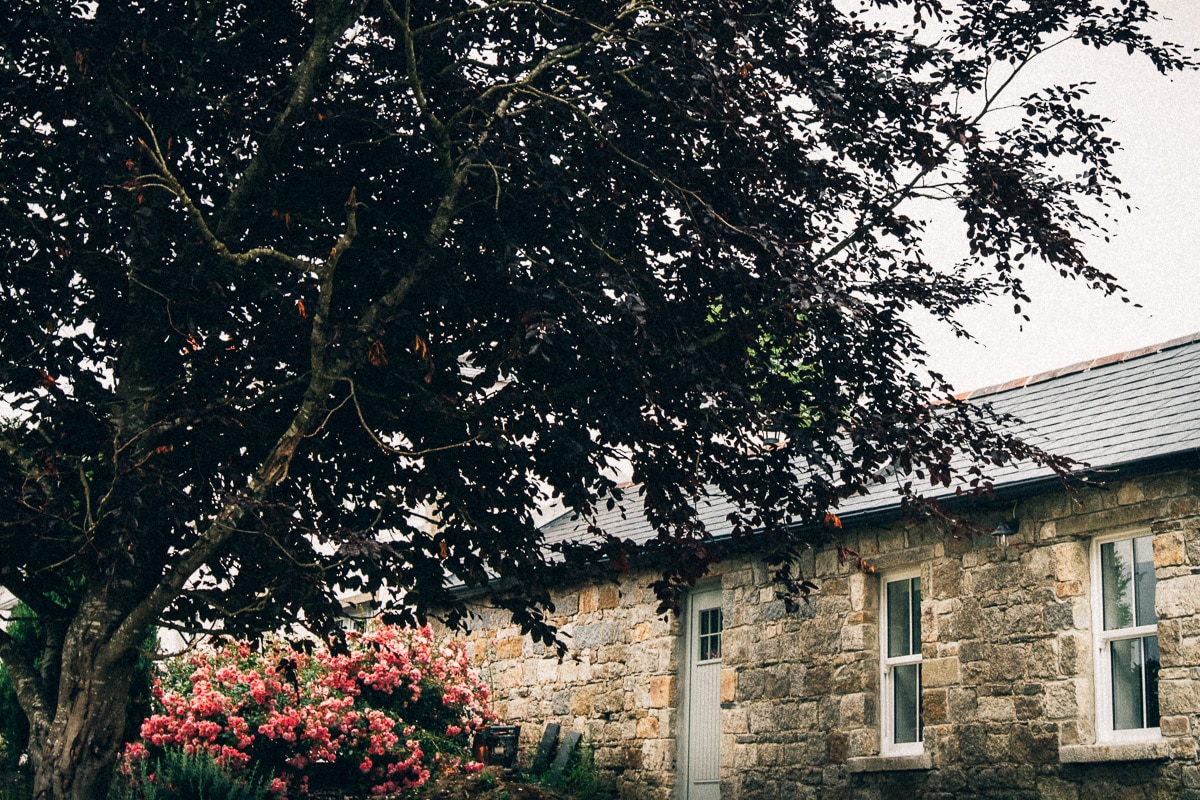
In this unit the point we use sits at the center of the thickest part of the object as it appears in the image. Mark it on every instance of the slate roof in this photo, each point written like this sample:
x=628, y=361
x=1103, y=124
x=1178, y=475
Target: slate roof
x=1118, y=411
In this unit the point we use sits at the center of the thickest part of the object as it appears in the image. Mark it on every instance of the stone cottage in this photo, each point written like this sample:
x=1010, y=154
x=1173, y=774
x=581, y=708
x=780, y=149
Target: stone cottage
x=1058, y=660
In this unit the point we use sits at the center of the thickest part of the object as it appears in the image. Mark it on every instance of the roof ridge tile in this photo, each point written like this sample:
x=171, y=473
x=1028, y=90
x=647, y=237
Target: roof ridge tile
x=1080, y=366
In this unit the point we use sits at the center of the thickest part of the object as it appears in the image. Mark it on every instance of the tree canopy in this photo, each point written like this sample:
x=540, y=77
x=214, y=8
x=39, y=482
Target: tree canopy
x=309, y=297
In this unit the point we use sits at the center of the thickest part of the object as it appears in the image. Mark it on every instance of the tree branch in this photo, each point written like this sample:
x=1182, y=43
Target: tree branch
x=414, y=77
x=165, y=179
x=26, y=466
x=447, y=207
x=27, y=683
x=484, y=9
x=272, y=471
x=911, y=188
x=687, y=196
x=319, y=340
x=329, y=26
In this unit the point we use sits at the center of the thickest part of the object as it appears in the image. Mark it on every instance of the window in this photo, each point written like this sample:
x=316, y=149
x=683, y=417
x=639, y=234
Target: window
x=357, y=612
x=901, y=665
x=1127, y=638
x=710, y=634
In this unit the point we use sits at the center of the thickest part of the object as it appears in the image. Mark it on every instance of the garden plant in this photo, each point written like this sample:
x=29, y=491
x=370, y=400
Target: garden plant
x=377, y=718
x=196, y=776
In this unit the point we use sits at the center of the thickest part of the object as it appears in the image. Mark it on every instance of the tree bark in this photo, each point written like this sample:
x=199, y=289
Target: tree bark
x=73, y=752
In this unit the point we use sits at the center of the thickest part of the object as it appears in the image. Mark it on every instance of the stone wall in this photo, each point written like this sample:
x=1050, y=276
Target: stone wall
x=1007, y=676
x=616, y=686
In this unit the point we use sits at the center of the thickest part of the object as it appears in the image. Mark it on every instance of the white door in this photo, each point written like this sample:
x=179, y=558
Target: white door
x=702, y=744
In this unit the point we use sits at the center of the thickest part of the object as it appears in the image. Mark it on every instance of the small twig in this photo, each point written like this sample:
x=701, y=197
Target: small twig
x=387, y=448
x=686, y=195
x=89, y=523
x=332, y=411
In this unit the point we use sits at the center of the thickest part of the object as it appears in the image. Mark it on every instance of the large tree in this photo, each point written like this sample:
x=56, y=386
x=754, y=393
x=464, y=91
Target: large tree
x=309, y=297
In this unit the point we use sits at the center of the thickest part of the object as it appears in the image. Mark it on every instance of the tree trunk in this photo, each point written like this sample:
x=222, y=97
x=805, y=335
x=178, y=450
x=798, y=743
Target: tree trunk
x=74, y=753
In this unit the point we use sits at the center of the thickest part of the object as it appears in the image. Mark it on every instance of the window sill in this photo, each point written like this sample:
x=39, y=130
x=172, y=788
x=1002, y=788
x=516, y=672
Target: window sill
x=1155, y=750
x=889, y=763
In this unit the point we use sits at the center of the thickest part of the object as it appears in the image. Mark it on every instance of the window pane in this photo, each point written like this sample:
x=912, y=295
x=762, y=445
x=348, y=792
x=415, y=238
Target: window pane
x=915, y=613
x=710, y=634
x=906, y=682
x=1150, y=652
x=710, y=647
x=899, y=619
x=1116, y=575
x=1143, y=571
x=1127, y=680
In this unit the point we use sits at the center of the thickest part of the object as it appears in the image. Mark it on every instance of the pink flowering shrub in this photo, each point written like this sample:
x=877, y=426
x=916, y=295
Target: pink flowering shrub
x=377, y=718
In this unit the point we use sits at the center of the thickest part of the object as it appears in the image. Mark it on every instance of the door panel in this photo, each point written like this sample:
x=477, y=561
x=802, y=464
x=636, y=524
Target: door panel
x=705, y=634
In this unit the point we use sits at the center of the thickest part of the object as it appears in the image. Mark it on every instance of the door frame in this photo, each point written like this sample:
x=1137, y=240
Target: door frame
x=684, y=660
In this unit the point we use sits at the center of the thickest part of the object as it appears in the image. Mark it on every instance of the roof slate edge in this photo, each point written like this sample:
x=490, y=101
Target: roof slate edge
x=1022, y=488
x=1082, y=366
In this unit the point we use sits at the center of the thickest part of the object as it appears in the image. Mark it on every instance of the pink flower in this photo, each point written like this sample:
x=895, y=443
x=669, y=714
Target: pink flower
x=312, y=707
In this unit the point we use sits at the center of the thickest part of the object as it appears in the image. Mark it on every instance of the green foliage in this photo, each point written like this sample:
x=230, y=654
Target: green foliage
x=14, y=728
x=141, y=689
x=15, y=786
x=580, y=778
x=179, y=776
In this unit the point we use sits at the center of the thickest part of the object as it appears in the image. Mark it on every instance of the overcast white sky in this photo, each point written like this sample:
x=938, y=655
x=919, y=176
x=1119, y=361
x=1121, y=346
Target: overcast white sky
x=1155, y=250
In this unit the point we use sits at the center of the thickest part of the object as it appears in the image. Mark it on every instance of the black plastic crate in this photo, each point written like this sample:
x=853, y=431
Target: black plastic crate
x=497, y=745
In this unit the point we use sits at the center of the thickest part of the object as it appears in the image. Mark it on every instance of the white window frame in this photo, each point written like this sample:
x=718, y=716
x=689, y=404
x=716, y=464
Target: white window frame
x=887, y=732
x=1101, y=653
x=707, y=639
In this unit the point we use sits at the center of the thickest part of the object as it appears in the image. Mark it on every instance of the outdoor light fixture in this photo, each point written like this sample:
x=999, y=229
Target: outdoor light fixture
x=1005, y=529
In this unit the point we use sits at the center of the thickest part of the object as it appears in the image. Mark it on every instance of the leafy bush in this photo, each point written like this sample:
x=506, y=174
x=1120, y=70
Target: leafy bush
x=15, y=786
x=580, y=778
x=176, y=775
x=377, y=718
x=14, y=728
